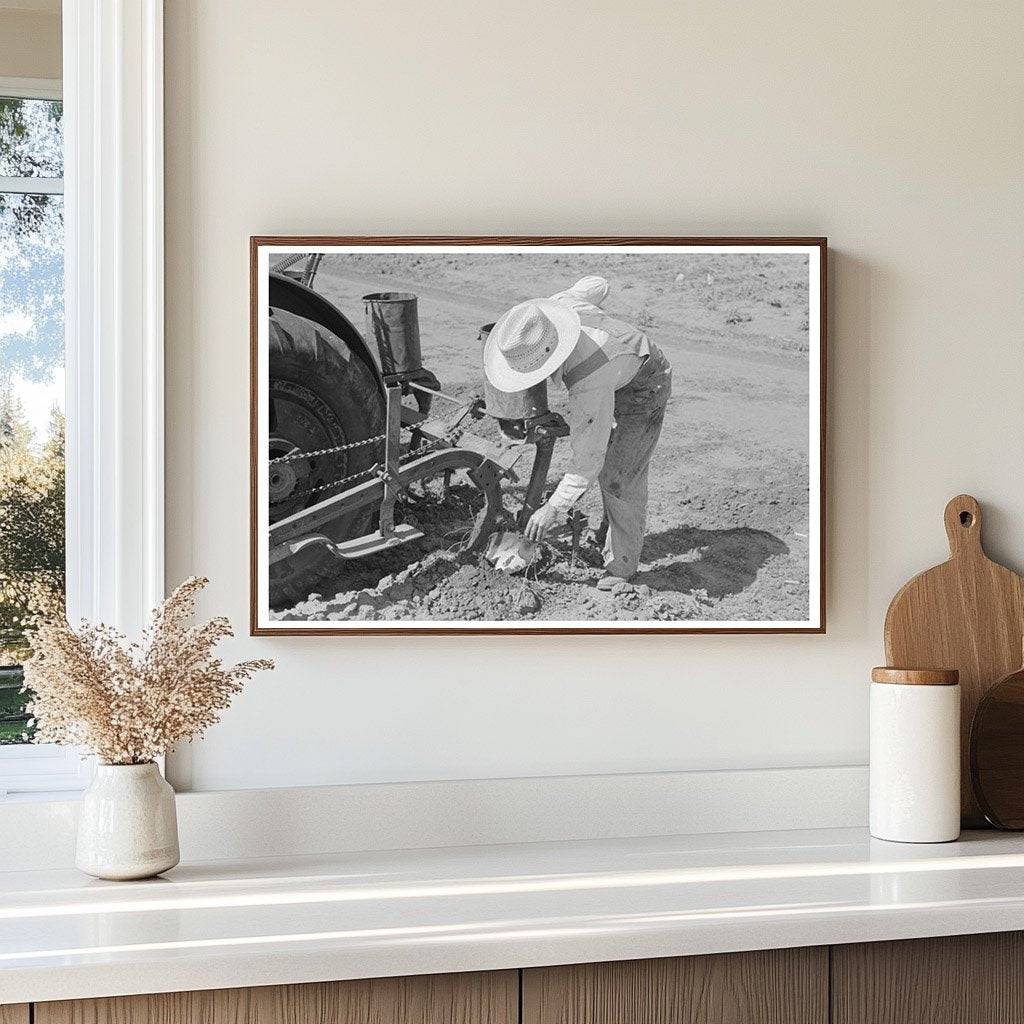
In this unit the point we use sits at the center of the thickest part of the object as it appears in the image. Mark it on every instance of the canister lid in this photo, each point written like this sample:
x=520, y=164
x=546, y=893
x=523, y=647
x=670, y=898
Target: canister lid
x=916, y=676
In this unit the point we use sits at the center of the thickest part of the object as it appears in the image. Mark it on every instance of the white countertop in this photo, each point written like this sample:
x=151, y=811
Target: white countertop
x=261, y=922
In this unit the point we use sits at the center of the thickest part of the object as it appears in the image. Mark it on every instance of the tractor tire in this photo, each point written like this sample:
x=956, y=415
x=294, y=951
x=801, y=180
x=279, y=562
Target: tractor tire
x=321, y=396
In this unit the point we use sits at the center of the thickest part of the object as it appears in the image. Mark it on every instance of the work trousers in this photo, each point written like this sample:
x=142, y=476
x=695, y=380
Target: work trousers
x=639, y=414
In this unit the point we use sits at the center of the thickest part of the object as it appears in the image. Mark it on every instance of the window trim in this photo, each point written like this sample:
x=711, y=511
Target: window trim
x=114, y=309
x=32, y=186
x=112, y=89
x=43, y=769
x=32, y=88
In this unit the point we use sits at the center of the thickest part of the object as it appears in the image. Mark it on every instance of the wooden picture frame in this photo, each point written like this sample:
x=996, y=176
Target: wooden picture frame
x=464, y=250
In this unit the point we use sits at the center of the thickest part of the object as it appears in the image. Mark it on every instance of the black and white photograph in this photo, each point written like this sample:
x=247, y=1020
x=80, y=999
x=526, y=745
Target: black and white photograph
x=537, y=435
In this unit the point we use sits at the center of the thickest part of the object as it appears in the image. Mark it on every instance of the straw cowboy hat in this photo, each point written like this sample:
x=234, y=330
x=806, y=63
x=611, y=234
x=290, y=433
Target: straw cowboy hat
x=529, y=343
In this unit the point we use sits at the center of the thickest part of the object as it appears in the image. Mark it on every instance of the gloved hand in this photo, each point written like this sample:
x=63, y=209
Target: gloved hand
x=511, y=552
x=540, y=522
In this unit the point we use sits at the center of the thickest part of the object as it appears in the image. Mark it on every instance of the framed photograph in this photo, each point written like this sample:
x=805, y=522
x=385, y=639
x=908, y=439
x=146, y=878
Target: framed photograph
x=537, y=435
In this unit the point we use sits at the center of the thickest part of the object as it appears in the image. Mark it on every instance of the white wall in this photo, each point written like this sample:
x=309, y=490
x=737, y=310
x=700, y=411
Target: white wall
x=895, y=129
x=30, y=39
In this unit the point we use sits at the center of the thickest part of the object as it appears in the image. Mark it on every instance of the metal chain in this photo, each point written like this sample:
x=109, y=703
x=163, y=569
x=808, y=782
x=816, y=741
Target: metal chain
x=449, y=438
x=296, y=456
x=415, y=453
x=288, y=261
x=333, y=483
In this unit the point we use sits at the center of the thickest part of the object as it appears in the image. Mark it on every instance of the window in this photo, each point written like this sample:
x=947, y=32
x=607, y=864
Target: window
x=32, y=548
x=108, y=206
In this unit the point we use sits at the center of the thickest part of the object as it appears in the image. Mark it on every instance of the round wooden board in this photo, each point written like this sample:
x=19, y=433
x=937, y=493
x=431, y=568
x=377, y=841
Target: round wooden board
x=997, y=752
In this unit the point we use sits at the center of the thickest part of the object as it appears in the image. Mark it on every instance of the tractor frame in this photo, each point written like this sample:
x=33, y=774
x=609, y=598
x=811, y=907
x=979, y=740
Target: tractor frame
x=440, y=444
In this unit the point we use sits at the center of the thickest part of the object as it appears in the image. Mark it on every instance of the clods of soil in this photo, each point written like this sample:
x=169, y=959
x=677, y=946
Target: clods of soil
x=449, y=587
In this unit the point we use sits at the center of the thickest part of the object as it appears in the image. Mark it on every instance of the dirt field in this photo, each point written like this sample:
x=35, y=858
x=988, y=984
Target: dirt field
x=729, y=489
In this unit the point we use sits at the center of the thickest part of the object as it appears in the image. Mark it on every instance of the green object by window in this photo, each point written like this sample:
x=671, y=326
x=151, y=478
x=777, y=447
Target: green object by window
x=14, y=721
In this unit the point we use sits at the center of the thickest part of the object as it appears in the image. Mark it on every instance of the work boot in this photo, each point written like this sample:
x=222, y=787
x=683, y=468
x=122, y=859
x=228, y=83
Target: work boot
x=609, y=582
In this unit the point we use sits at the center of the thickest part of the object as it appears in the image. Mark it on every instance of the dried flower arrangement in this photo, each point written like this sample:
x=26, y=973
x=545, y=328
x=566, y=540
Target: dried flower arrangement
x=129, y=703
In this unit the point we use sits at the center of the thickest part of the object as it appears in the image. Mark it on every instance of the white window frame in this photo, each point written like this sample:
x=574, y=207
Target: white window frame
x=114, y=326
x=31, y=89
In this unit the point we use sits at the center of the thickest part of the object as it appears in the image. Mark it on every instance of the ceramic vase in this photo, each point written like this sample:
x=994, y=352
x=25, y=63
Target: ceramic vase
x=127, y=825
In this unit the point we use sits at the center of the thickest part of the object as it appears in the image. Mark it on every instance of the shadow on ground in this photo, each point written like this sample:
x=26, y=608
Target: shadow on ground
x=721, y=562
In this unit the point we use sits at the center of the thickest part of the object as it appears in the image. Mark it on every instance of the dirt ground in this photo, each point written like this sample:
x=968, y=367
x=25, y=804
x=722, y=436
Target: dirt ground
x=729, y=484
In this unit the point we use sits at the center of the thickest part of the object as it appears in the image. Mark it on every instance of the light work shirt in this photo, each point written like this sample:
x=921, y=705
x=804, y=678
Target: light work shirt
x=591, y=419
x=592, y=383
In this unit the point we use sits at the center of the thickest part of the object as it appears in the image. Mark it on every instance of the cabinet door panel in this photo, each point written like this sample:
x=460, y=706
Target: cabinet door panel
x=14, y=1013
x=482, y=998
x=778, y=986
x=960, y=979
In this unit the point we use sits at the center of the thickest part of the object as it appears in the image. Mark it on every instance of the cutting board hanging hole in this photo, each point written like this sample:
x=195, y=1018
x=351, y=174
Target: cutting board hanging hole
x=963, y=525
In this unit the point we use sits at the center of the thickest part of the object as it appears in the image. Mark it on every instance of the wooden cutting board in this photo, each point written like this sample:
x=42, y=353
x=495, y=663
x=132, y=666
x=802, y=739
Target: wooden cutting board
x=967, y=614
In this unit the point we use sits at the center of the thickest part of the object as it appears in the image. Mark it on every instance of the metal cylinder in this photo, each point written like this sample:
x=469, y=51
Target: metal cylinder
x=392, y=320
x=515, y=405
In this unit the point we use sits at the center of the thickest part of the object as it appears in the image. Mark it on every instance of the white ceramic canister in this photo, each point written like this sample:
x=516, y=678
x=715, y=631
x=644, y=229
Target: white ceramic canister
x=915, y=755
x=127, y=825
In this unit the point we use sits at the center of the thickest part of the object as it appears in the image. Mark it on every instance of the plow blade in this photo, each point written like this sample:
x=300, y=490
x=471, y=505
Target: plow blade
x=372, y=542
x=358, y=547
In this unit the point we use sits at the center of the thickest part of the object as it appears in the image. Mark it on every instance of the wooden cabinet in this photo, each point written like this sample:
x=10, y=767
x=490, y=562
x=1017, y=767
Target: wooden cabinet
x=490, y=998
x=962, y=979
x=970, y=979
x=777, y=986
